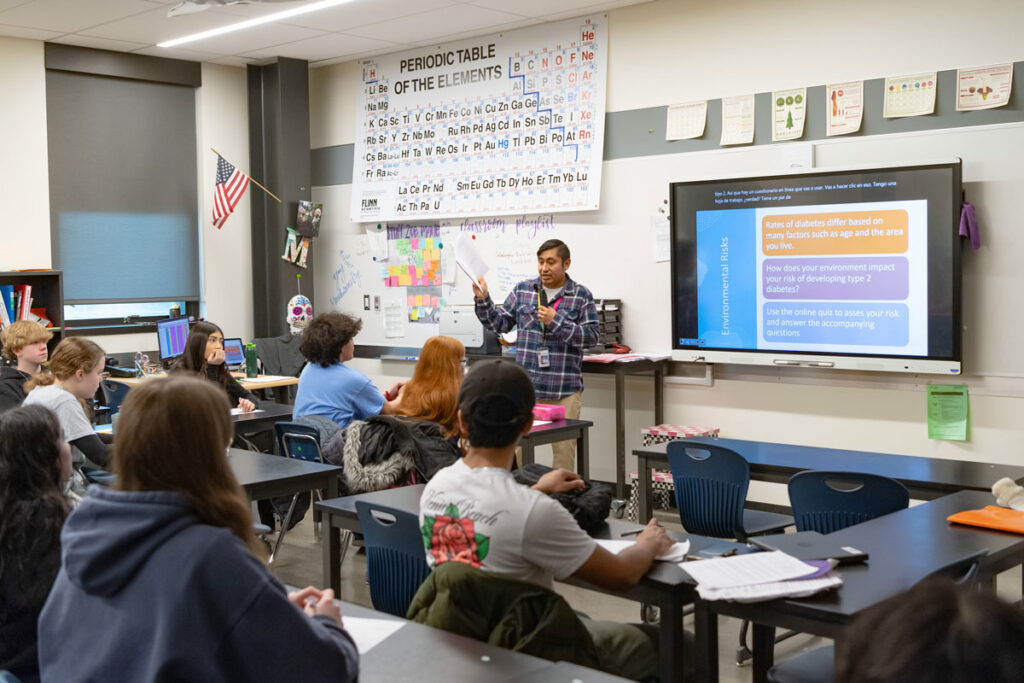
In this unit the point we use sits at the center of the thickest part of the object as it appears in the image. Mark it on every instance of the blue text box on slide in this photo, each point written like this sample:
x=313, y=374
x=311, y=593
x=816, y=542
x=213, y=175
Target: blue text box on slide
x=853, y=324
x=727, y=288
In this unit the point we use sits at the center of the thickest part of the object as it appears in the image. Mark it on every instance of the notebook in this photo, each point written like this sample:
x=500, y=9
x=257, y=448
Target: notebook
x=992, y=517
x=810, y=545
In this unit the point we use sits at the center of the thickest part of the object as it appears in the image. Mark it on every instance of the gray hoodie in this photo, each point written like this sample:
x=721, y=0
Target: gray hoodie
x=146, y=592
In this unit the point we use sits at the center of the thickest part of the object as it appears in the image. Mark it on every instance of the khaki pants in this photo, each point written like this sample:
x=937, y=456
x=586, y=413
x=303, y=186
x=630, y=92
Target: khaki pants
x=564, y=452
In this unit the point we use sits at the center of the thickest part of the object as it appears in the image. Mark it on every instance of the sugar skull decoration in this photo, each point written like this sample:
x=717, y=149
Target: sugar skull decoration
x=300, y=309
x=300, y=312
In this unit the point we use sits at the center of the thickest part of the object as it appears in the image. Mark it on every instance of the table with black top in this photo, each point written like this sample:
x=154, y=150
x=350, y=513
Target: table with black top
x=263, y=475
x=417, y=652
x=664, y=585
x=620, y=369
x=904, y=547
x=925, y=478
x=263, y=418
x=561, y=430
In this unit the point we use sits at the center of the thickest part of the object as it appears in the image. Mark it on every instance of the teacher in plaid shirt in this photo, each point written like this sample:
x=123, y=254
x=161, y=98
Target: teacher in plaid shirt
x=557, y=319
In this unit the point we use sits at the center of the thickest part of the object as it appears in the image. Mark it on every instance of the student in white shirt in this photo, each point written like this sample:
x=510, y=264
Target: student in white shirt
x=475, y=512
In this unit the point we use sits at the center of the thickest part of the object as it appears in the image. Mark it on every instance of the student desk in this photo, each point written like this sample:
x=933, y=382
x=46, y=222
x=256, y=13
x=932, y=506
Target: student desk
x=904, y=547
x=620, y=369
x=664, y=585
x=279, y=385
x=431, y=655
x=561, y=430
x=926, y=478
x=263, y=418
x=267, y=476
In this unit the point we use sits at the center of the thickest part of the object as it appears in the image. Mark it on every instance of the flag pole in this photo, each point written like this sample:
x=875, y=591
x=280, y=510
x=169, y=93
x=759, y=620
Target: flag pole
x=253, y=180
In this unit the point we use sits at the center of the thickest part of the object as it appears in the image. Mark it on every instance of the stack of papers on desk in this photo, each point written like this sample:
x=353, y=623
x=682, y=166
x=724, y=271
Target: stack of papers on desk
x=760, y=576
x=675, y=554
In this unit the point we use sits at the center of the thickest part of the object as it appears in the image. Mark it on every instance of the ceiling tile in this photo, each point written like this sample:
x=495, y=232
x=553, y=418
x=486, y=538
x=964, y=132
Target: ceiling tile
x=594, y=8
x=155, y=26
x=538, y=8
x=67, y=16
x=255, y=38
x=30, y=33
x=447, y=20
x=363, y=12
x=99, y=43
x=232, y=60
x=328, y=46
x=437, y=40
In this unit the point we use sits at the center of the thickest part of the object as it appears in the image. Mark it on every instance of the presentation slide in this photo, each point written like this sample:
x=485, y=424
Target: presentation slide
x=839, y=278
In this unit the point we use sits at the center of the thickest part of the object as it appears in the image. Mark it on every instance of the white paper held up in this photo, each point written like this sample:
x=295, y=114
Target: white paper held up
x=468, y=258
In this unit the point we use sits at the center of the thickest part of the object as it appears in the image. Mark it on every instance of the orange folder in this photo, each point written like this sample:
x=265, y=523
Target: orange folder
x=992, y=517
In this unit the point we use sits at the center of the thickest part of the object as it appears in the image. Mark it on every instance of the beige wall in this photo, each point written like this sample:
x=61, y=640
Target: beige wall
x=25, y=226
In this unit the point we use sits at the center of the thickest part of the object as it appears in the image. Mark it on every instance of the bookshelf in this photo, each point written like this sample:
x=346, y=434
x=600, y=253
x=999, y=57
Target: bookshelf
x=47, y=292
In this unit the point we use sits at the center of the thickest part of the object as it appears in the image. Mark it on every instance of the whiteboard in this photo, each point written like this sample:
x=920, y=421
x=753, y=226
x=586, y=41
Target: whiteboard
x=612, y=251
x=501, y=124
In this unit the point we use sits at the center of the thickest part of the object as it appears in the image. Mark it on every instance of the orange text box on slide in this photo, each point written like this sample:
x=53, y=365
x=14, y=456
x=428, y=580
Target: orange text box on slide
x=842, y=232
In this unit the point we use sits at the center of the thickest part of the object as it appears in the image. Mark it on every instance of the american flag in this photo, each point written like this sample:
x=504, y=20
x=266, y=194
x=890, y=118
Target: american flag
x=231, y=184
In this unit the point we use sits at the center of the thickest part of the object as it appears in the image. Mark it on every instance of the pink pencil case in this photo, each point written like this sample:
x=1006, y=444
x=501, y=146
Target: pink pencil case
x=546, y=411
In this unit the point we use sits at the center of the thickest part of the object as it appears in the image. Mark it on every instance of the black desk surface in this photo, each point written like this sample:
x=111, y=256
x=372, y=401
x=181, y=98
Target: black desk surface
x=557, y=426
x=424, y=654
x=904, y=547
x=914, y=471
x=258, y=421
x=252, y=468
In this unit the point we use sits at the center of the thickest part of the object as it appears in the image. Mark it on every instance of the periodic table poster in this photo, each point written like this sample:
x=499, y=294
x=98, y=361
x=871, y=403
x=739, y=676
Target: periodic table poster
x=508, y=123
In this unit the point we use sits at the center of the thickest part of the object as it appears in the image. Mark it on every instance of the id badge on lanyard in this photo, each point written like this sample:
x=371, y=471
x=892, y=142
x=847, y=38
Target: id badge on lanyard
x=543, y=358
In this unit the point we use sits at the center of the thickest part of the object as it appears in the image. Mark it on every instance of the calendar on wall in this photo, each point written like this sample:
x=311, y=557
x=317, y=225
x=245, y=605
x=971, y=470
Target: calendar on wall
x=508, y=123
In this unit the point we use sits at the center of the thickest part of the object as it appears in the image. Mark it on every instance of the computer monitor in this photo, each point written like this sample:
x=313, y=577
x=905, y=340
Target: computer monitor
x=234, y=352
x=171, y=334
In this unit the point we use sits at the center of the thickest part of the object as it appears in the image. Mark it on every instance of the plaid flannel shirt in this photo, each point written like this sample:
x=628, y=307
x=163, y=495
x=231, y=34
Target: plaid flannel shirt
x=573, y=329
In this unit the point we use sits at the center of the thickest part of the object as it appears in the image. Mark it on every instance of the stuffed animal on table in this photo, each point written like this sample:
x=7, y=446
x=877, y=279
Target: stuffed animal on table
x=1008, y=493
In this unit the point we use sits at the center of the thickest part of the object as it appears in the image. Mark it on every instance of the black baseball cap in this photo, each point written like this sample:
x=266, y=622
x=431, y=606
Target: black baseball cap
x=496, y=393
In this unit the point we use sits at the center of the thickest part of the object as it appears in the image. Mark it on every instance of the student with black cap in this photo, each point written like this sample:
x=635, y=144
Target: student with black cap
x=475, y=512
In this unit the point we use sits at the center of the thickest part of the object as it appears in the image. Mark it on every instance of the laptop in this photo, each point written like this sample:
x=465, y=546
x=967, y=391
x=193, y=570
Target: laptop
x=234, y=353
x=810, y=545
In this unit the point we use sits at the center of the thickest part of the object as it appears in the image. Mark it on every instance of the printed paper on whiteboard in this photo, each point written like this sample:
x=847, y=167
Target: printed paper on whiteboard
x=377, y=238
x=910, y=95
x=469, y=259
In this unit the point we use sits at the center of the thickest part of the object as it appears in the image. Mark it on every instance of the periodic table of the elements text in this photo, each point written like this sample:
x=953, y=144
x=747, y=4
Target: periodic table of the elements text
x=502, y=124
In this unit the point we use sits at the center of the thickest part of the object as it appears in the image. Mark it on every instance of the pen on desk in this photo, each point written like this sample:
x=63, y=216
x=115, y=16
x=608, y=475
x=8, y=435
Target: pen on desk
x=634, y=532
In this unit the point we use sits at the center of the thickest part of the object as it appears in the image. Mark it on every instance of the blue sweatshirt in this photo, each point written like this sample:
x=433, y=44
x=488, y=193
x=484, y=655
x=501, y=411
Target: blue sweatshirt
x=146, y=592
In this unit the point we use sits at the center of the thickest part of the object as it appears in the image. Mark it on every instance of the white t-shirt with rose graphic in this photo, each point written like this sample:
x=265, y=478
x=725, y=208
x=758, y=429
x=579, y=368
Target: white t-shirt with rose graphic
x=483, y=517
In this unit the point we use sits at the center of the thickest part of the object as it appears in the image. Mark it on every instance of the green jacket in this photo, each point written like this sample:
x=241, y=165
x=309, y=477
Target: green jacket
x=517, y=615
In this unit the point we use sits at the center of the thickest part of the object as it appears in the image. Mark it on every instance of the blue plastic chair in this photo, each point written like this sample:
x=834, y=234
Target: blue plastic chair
x=114, y=393
x=711, y=485
x=301, y=442
x=826, y=501
x=396, y=561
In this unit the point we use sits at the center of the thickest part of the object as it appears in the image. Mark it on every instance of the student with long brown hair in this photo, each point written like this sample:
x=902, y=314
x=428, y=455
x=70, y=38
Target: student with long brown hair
x=35, y=461
x=204, y=357
x=76, y=369
x=168, y=562
x=433, y=392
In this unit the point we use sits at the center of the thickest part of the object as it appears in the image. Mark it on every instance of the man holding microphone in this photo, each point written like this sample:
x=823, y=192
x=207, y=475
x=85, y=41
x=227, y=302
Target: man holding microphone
x=556, y=319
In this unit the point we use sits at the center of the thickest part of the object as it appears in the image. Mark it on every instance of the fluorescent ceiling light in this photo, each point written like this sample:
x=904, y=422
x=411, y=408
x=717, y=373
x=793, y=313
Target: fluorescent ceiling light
x=249, y=23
